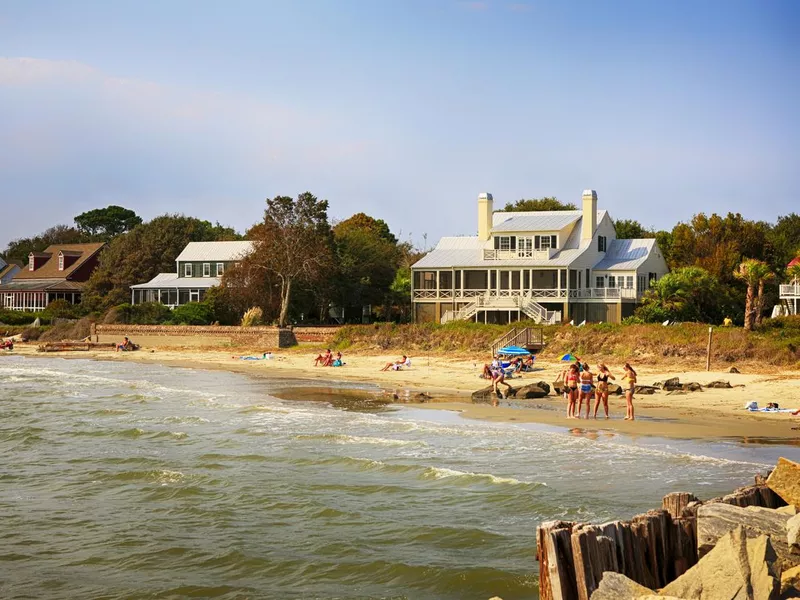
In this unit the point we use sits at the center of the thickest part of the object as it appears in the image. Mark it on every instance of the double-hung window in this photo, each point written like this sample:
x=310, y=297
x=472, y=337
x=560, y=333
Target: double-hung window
x=504, y=242
x=206, y=269
x=220, y=269
x=187, y=269
x=600, y=281
x=601, y=244
x=629, y=282
x=524, y=247
x=612, y=281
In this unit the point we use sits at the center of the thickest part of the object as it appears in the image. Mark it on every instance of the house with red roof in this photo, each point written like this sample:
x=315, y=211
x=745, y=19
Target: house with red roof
x=60, y=272
x=790, y=292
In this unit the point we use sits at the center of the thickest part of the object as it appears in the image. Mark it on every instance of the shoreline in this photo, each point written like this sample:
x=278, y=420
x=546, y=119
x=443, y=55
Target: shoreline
x=713, y=414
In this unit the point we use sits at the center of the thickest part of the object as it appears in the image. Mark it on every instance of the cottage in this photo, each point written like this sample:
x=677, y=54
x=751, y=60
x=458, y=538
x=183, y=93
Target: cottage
x=199, y=267
x=790, y=292
x=59, y=272
x=550, y=266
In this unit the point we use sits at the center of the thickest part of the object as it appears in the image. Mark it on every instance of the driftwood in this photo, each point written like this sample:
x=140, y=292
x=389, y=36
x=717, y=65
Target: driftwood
x=652, y=549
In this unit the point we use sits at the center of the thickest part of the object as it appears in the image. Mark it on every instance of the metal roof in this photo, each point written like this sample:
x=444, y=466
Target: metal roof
x=442, y=258
x=172, y=281
x=625, y=255
x=215, y=251
x=550, y=220
x=42, y=285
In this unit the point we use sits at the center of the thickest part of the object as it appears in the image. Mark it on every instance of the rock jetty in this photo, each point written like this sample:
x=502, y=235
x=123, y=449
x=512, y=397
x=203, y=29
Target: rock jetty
x=743, y=546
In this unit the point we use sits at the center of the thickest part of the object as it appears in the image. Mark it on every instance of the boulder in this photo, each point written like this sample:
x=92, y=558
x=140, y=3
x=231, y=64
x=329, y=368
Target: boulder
x=558, y=387
x=545, y=386
x=738, y=568
x=645, y=390
x=719, y=384
x=793, y=535
x=790, y=583
x=615, y=586
x=614, y=389
x=673, y=383
x=733, y=370
x=717, y=519
x=484, y=395
x=532, y=390
x=785, y=481
x=692, y=386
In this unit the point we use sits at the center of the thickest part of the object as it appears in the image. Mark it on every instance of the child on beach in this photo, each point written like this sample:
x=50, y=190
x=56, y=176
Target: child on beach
x=630, y=383
x=586, y=393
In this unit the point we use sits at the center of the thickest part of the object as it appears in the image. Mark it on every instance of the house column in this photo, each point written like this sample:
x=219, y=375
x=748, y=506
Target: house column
x=565, y=314
x=462, y=283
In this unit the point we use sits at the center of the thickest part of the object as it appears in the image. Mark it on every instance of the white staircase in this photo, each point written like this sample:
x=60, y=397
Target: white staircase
x=527, y=305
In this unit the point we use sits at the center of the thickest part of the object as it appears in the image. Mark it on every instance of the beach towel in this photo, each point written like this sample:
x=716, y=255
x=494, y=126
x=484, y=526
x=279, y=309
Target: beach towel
x=265, y=356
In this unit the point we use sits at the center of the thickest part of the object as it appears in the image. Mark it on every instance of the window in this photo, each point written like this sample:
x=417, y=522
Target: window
x=641, y=283
x=429, y=280
x=629, y=282
x=524, y=247
x=505, y=242
x=31, y=263
x=601, y=243
x=60, y=261
x=612, y=281
x=187, y=269
x=220, y=269
x=600, y=280
x=206, y=269
x=194, y=295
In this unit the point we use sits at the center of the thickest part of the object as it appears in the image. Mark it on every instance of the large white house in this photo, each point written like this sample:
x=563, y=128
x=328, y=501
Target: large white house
x=552, y=266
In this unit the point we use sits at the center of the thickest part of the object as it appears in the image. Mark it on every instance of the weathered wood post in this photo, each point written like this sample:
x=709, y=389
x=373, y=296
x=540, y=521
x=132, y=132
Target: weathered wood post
x=708, y=351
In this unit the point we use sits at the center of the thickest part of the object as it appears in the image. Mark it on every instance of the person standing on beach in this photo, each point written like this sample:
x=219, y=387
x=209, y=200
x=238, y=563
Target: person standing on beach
x=586, y=393
x=630, y=383
x=571, y=388
x=603, y=376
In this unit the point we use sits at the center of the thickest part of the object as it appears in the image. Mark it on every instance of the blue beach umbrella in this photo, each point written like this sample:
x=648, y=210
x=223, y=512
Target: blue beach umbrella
x=513, y=351
x=568, y=357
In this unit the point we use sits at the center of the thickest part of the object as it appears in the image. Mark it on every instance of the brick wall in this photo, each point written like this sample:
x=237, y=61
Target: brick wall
x=269, y=337
x=320, y=334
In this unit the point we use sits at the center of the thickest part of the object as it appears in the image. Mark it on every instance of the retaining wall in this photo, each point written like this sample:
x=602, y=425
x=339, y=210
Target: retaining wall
x=196, y=335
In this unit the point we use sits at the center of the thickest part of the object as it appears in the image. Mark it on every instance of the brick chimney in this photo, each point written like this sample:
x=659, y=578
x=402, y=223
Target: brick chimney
x=485, y=210
x=589, y=220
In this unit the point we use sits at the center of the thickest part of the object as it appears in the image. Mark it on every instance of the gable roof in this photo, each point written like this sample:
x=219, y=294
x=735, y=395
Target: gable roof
x=49, y=270
x=4, y=271
x=625, y=255
x=215, y=251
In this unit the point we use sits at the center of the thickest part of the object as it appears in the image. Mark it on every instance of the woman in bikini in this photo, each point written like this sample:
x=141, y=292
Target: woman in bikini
x=571, y=382
x=603, y=376
x=630, y=383
x=587, y=377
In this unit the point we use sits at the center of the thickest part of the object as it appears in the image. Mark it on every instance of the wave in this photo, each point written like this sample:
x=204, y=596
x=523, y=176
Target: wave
x=445, y=473
x=340, y=438
x=159, y=476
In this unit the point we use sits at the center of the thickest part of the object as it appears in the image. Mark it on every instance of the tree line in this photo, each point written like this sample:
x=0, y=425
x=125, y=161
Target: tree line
x=306, y=268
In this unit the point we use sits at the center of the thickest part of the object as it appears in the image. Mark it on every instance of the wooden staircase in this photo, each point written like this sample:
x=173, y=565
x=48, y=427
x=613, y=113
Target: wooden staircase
x=530, y=338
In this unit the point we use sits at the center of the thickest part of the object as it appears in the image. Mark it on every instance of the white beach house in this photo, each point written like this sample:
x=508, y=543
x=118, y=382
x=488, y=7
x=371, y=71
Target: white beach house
x=550, y=266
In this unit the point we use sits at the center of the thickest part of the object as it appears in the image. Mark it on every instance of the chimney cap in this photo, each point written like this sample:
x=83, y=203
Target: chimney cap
x=484, y=196
x=591, y=193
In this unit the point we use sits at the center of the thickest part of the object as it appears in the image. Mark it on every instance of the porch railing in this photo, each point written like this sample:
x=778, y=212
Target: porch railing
x=791, y=290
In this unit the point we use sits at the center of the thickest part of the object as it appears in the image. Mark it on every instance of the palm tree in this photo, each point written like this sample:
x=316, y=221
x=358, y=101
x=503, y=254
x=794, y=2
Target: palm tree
x=748, y=272
x=764, y=275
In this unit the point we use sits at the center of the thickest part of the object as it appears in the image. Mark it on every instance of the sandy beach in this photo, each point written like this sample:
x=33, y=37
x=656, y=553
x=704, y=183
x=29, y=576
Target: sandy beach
x=711, y=413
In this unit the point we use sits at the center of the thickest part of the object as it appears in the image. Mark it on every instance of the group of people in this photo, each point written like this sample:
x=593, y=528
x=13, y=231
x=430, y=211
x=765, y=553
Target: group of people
x=7, y=344
x=498, y=370
x=581, y=385
x=328, y=359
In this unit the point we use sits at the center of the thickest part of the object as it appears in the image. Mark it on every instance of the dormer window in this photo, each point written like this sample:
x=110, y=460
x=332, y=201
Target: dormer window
x=60, y=261
x=31, y=262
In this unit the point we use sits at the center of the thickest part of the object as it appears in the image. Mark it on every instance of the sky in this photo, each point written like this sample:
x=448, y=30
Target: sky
x=403, y=109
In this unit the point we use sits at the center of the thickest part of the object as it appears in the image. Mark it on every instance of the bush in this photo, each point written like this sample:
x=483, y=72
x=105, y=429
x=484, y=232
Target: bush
x=61, y=309
x=222, y=307
x=252, y=317
x=193, y=313
x=147, y=313
x=18, y=317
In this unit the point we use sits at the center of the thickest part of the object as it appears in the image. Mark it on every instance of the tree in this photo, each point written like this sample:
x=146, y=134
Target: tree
x=537, y=204
x=367, y=258
x=749, y=271
x=294, y=244
x=107, y=223
x=784, y=237
x=628, y=229
x=685, y=294
x=19, y=249
x=764, y=274
x=142, y=253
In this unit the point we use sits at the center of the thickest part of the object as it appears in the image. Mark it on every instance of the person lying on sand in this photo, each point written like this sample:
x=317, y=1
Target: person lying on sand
x=396, y=366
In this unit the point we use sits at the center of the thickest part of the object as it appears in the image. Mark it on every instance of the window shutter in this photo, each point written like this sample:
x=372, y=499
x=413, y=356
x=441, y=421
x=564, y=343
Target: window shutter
x=537, y=243
x=513, y=242
x=552, y=241
x=496, y=243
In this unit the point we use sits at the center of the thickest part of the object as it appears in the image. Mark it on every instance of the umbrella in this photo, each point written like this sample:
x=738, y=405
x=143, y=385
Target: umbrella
x=513, y=351
x=569, y=357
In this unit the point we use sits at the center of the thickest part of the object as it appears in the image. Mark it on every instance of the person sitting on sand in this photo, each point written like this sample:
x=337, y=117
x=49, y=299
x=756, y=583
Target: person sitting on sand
x=396, y=366
x=337, y=362
x=324, y=360
x=586, y=392
x=603, y=376
x=125, y=346
x=630, y=384
x=7, y=344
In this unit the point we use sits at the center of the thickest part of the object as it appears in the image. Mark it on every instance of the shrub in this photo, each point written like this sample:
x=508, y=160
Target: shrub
x=61, y=309
x=252, y=317
x=18, y=317
x=193, y=313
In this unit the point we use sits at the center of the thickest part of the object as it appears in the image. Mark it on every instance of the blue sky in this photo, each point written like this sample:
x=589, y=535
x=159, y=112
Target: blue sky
x=405, y=110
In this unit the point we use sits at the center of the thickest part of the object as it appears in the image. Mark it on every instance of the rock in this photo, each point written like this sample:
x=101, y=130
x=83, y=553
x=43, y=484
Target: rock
x=529, y=391
x=785, y=481
x=793, y=534
x=615, y=586
x=614, y=389
x=423, y=397
x=717, y=519
x=789, y=509
x=719, y=384
x=692, y=386
x=545, y=386
x=673, y=383
x=733, y=370
x=645, y=390
x=790, y=582
x=737, y=568
x=558, y=388
x=483, y=395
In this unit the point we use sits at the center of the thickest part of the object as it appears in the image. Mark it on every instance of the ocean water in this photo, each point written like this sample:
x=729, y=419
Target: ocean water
x=123, y=480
